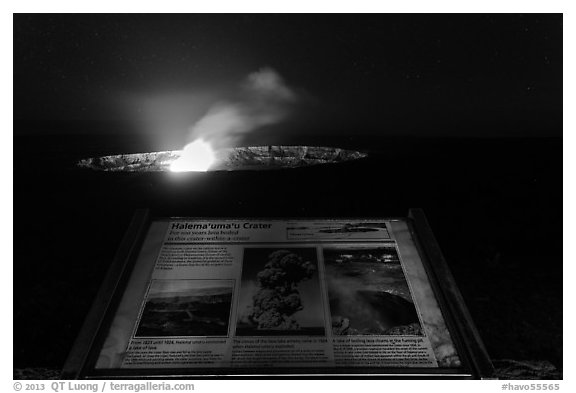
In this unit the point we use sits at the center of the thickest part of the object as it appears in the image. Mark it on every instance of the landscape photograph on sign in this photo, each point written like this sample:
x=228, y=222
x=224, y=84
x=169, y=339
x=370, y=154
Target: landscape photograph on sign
x=337, y=230
x=280, y=293
x=368, y=292
x=186, y=308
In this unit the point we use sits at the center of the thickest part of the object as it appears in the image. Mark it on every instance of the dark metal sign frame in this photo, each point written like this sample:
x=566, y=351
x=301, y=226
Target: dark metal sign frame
x=475, y=361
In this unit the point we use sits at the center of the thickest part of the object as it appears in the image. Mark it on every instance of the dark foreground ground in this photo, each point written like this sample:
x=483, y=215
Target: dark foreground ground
x=495, y=206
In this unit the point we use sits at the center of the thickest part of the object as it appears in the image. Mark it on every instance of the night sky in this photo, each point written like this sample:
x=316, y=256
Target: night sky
x=423, y=75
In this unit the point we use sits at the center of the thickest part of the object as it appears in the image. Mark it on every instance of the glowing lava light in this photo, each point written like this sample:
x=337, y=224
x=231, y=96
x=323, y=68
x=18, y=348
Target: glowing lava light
x=197, y=156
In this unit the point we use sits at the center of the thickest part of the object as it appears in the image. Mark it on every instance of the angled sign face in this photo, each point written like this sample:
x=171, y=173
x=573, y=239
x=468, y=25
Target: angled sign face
x=216, y=296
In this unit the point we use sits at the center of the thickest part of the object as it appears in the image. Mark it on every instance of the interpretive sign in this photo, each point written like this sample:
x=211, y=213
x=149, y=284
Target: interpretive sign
x=208, y=296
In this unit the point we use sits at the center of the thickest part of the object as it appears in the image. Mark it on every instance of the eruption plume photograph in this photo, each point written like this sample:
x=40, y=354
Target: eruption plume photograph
x=186, y=308
x=280, y=293
x=368, y=292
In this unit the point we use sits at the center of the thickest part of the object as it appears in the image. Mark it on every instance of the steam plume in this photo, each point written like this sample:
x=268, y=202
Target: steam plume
x=264, y=99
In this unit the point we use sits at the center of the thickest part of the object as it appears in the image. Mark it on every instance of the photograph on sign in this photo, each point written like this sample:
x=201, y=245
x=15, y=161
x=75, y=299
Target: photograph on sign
x=280, y=293
x=368, y=291
x=186, y=308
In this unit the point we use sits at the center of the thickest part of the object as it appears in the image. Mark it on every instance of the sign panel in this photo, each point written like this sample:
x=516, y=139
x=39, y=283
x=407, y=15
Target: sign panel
x=317, y=296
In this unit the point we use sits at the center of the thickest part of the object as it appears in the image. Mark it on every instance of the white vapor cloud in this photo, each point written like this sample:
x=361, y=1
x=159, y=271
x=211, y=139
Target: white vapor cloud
x=264, y=99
